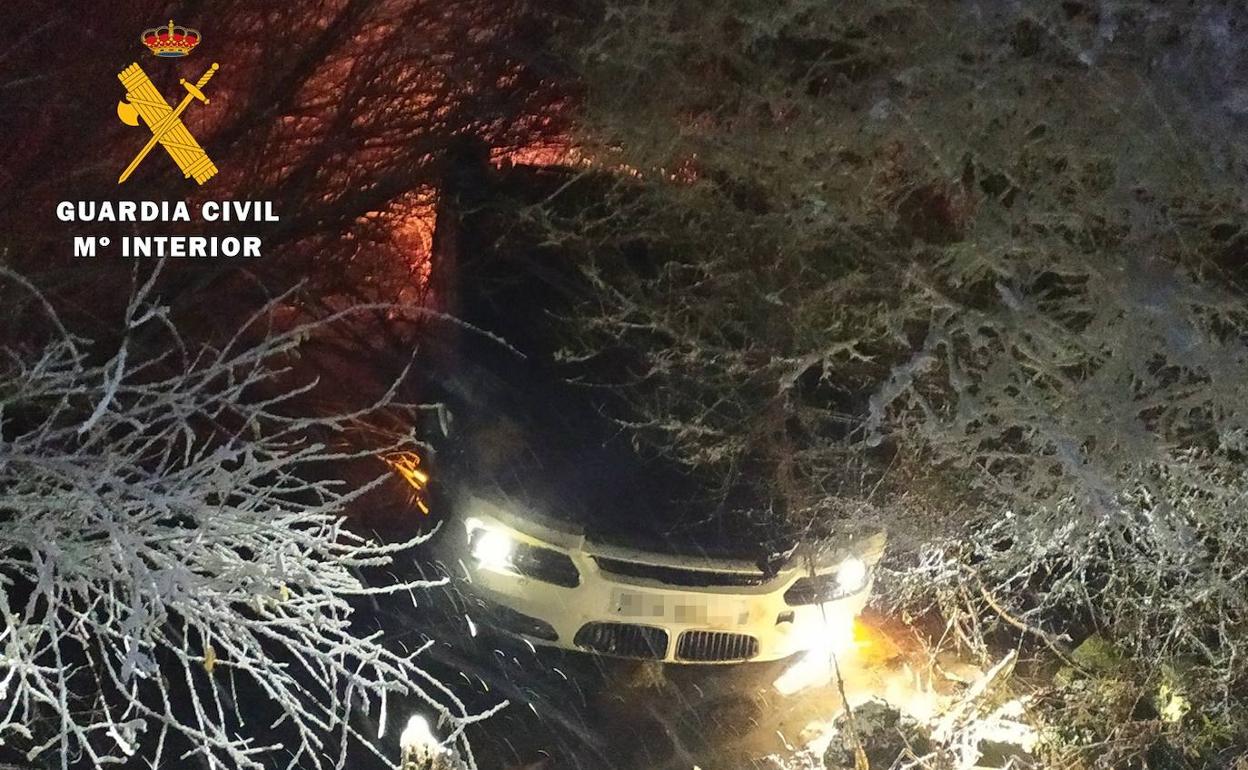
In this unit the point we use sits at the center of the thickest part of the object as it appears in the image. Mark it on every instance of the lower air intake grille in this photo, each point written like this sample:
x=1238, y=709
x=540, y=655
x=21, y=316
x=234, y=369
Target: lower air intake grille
x=715, y=646
x=627, y=640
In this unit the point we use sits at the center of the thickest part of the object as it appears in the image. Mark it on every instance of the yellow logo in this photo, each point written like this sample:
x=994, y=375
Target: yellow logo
x=165, y=122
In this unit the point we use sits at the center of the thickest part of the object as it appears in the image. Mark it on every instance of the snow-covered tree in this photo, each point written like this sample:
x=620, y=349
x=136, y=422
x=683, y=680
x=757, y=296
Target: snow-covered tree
x=974, y=268
x=176, y=576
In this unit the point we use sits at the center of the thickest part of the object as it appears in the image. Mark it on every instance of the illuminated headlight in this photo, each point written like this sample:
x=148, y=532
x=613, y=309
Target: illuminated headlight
x=495, y=550
x=851, y=575
x=491, y=548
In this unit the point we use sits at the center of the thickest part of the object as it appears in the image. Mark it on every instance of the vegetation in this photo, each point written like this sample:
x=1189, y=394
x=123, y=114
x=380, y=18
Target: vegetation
x=176, y=561
x=975, y=270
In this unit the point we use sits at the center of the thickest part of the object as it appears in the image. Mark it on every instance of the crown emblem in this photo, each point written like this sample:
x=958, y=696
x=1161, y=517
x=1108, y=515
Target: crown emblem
x=171, y=41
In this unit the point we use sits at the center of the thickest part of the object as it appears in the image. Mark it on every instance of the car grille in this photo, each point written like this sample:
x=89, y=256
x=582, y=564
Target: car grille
x=678, y=576
x=715, y=646
x=627, y=640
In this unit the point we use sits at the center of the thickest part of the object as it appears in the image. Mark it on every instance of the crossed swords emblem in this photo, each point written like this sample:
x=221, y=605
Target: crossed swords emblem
x=165, y=122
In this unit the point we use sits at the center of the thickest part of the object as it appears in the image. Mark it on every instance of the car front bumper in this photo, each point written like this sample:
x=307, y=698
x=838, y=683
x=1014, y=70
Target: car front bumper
x=638, y=604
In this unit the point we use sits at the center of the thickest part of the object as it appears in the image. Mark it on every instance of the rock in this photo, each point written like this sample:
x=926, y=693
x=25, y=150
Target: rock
x=884, y=733
x=1096, y=654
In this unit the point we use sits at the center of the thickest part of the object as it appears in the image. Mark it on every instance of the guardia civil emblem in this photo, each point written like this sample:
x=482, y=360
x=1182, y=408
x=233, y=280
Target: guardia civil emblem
x=144, y=103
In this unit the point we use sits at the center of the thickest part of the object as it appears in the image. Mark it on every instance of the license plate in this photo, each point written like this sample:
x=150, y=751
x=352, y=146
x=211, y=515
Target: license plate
x=679, y=609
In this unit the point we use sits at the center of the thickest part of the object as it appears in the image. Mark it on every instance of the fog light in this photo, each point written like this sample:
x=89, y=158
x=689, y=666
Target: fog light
x=492, y=548
x=835, y=634
x=418, y=743
x=821, y=641
x=851, y=575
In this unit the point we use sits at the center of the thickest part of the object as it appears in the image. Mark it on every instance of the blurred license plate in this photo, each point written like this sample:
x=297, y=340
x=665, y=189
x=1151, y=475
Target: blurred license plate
x=679, y=609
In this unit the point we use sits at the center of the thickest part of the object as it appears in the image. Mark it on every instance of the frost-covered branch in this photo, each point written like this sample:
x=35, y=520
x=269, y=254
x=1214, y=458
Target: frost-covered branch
x=976, y=269
x=176, y=575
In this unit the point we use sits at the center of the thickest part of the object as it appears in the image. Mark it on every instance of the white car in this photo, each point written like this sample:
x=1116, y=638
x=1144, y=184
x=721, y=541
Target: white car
x=547, y=582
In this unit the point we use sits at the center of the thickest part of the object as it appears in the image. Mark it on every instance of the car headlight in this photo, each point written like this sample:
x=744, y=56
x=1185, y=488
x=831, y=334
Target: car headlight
x=492, y=548
x=495, y=550
x=850, y=577
x=546, y=565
